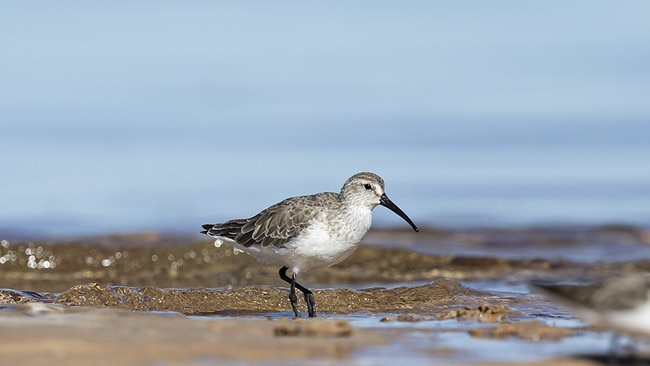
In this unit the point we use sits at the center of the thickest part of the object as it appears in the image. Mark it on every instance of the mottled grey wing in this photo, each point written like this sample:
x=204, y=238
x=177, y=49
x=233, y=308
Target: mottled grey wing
x=618, y=293
x=276, y=225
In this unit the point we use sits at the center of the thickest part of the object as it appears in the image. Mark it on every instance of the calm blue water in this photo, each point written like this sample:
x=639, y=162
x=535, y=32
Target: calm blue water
x=164, y=116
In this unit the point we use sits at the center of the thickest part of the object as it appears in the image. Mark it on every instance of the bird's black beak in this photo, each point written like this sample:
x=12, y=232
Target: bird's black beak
x=386, y=202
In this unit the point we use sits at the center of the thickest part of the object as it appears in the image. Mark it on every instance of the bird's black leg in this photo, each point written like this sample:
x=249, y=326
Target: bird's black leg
x=309, y=296
x=293, y=299
x=311, y=303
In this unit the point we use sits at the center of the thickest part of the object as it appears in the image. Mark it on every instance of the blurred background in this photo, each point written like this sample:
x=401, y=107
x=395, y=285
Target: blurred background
x=166, y=115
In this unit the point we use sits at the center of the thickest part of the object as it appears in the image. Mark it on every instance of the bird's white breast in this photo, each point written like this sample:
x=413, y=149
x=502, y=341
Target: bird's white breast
x=328, y=241
x=636, y=320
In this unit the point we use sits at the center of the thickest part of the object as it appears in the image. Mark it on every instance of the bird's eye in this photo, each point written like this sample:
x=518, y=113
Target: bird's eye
x=367, y=186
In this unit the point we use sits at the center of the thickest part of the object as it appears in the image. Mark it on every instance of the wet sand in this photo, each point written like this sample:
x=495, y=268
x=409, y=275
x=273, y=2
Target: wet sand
x=61, y=335
x=160, y=299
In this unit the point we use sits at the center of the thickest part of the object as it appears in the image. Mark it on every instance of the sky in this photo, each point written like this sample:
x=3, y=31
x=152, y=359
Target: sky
x=161, y=115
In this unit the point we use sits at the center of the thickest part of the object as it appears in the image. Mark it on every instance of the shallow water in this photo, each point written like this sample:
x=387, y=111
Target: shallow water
x=403, y=296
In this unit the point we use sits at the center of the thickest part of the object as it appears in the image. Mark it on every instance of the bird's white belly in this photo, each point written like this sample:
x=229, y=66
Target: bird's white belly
x=322, y=245
x=635, y=320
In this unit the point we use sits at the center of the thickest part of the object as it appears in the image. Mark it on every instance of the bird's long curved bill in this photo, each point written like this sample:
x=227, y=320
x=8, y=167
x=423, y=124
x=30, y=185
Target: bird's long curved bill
x=386, y=202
